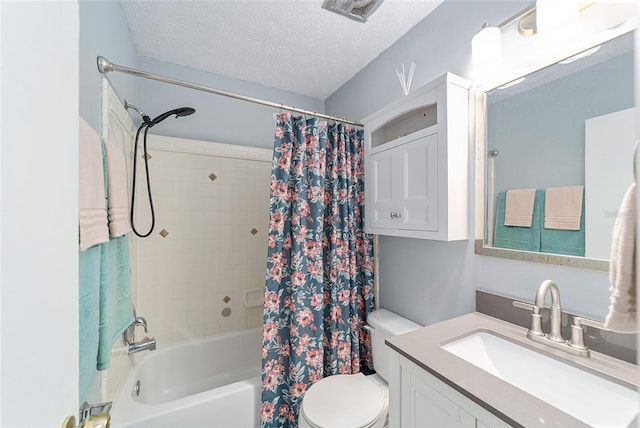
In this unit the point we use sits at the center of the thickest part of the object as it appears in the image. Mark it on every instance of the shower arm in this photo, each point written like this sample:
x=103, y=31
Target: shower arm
x=145, y=118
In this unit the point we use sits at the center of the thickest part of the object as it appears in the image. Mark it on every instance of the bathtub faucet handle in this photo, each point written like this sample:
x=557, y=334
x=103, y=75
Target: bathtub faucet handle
x=140, y=321
x=128, y=334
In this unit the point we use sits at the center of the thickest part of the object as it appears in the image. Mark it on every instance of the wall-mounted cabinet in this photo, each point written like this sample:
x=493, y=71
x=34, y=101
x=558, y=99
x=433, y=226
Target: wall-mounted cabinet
x=416, y=164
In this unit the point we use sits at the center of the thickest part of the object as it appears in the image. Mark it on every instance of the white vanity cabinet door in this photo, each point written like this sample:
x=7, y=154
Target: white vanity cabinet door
x=405, y=185
x=419, y=399
x=423, y=406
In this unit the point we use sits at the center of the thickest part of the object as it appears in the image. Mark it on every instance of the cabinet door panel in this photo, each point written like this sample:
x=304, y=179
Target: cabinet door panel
x=423, y=406
x=384, y=199
x=420, y=196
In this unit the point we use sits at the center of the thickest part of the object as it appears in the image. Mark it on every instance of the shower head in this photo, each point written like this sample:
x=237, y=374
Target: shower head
x=179, y=112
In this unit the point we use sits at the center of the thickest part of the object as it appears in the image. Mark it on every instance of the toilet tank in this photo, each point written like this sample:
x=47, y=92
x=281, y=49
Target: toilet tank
x=386, y=324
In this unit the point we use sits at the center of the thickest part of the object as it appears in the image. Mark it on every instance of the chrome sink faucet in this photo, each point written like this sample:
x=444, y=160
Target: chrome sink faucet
x=554, y=338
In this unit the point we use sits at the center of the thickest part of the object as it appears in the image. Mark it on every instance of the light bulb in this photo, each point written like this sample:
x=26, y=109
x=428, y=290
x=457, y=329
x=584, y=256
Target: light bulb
x=486, y=46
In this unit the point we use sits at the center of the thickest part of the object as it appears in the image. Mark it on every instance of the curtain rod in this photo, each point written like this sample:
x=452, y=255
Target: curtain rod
x=106, y=66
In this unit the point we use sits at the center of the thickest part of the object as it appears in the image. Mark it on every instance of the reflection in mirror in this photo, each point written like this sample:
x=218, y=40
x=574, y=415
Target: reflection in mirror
x=566, y=134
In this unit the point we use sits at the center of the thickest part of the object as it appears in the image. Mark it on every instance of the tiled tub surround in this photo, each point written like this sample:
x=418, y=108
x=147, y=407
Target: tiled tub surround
x=617, y=345
x=209, y=244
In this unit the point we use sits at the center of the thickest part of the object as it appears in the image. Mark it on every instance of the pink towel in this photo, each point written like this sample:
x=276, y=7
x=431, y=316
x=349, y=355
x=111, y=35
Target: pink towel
x=563, y=207
x=519, y=207
x=622, y=267
x=117, y=196
x=92, y=214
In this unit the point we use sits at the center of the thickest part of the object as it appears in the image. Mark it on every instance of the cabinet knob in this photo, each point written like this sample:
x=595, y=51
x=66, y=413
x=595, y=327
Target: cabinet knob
x=396, y=215
x=393, y=215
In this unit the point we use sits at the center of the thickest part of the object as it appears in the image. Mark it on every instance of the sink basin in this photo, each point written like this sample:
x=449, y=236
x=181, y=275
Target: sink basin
x=590, y=398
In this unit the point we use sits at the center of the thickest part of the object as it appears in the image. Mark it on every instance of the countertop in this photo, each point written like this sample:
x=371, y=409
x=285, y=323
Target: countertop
x=513, y=405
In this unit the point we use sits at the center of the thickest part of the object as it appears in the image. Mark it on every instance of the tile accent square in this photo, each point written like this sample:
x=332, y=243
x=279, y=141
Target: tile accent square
x=226, y=299
x=212, y=176
x=146, y=156
x=164, y=233
x=254, y=231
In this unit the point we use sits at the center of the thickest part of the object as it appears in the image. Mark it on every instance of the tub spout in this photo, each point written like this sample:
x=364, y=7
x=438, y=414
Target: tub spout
x=145, y=344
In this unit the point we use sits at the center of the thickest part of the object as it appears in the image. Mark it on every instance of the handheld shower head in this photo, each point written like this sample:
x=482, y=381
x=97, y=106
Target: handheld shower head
x=148, y=123
x=179, y=112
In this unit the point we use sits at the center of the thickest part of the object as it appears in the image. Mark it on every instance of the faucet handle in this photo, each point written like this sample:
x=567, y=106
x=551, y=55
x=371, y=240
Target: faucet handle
x=140, y=321
x=128, y=334
x=577, y=333
x=536, y=318
x=579, y=322
x=527, y=306
x=577, y=337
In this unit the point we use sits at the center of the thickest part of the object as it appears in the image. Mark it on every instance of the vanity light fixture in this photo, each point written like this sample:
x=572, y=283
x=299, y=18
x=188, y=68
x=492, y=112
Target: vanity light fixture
x=556, y=18
x=486, y=46
x=549, y=19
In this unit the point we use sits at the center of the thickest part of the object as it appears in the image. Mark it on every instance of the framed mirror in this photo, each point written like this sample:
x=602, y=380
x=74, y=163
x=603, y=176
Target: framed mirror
x=570, y=126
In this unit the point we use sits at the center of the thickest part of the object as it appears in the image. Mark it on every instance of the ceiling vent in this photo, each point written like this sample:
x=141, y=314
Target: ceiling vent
x=358, y=10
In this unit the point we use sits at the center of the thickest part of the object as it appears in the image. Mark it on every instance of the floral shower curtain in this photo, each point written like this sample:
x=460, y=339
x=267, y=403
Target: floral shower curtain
x=319, y=286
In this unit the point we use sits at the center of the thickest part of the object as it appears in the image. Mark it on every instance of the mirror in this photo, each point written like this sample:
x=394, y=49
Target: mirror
x=571, y=123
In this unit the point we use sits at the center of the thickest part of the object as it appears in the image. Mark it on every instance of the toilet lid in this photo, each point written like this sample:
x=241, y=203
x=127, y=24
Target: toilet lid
x=343, y=401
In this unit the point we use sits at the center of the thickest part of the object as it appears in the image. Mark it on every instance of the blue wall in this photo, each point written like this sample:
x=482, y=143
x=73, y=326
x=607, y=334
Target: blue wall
x=103, y=31
x=429, y=281
x=217, y=118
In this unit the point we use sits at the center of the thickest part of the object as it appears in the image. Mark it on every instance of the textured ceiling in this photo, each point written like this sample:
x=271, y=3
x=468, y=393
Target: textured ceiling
x=293, y=45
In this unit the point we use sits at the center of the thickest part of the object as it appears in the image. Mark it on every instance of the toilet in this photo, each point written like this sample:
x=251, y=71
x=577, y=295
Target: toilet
x=356, y=400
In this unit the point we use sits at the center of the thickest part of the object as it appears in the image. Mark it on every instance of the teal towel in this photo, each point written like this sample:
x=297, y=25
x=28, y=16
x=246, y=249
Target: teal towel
x=514, y=237
x=116, y=310
x=105, y=307
x=89, y=302
x=567, y=242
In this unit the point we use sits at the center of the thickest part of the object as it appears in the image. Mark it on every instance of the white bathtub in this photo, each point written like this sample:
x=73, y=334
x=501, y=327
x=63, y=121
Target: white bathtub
x=210, y=382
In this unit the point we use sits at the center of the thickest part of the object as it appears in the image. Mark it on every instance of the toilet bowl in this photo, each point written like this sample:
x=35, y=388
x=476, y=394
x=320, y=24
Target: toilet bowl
x=356, y=400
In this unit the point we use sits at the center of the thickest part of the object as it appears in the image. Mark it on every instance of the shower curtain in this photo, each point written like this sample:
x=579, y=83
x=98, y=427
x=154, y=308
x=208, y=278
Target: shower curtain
x=319, y=286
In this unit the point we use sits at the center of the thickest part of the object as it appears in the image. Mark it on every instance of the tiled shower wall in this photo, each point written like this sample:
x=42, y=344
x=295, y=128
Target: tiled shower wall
x=209, y=245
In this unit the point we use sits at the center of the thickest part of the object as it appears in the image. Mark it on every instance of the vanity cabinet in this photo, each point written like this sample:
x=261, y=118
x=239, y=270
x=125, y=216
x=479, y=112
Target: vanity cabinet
x=419, y=399
x=416, y=163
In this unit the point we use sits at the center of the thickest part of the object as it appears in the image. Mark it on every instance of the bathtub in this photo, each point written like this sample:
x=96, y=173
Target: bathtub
x=209, y=382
